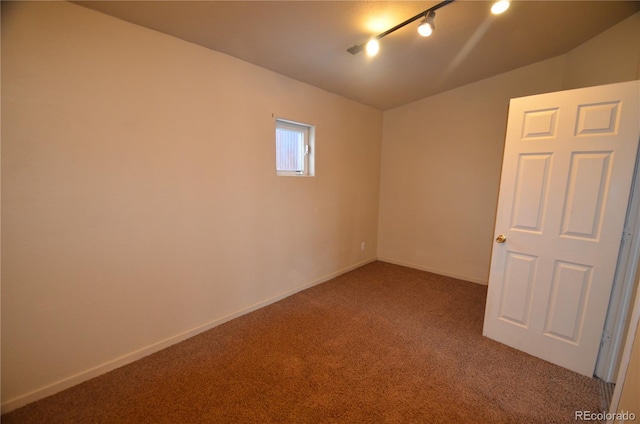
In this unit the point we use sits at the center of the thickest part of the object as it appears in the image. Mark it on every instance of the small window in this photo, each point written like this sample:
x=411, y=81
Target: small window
x=294, y=148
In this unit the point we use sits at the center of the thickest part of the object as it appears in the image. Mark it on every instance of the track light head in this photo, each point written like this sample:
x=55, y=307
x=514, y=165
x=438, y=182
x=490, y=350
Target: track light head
x=372, y=47
x=427, y=26
x=500, y=7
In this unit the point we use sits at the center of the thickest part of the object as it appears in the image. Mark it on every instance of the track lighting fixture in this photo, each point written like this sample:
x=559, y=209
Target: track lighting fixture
x=362, y=46
x=425, y=29
x=427, y=26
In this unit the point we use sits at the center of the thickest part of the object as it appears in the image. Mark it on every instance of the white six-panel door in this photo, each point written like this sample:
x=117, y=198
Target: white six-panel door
x=567, y=171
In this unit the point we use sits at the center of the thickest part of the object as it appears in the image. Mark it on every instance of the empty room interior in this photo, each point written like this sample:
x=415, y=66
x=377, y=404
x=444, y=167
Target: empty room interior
x=236, y=211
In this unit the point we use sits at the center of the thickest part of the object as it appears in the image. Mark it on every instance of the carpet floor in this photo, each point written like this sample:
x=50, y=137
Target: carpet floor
x=380, y=344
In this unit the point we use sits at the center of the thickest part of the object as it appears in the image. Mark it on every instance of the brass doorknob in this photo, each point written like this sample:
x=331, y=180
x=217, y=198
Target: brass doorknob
x=501, y=238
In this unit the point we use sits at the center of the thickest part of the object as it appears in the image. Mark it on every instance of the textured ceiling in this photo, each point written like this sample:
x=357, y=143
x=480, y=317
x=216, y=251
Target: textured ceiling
x=308, y=40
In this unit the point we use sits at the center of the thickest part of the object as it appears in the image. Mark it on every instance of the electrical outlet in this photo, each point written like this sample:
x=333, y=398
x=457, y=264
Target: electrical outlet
x=362, y=246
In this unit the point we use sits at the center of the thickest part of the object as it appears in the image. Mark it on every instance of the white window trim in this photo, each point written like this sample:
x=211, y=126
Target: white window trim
x=309, y=143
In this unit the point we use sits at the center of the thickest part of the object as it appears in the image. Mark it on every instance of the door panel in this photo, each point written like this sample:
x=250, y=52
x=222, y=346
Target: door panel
x=588, y=182
x=598, y=118
x=516, y=296
x=567, y=170
x=531, y=192
x=569, y=291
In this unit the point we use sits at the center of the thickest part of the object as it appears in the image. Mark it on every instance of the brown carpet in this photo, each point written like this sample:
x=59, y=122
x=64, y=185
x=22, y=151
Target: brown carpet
x=381, y=344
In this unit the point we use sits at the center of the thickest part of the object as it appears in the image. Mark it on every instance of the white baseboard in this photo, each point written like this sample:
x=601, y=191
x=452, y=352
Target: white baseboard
x=128, y=358
x=435, y=271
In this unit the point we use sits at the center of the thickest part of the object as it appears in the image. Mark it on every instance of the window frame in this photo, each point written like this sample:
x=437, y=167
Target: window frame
x=308, y=132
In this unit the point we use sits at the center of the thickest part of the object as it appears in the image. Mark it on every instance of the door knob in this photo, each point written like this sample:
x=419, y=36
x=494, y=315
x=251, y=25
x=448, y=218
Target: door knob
x=501, y=238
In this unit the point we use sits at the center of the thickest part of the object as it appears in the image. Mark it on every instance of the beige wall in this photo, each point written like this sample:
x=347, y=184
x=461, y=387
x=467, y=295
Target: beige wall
x=613, y=56
x=630, y=397
x=139, y=201
x=441, y=156
x=441, y=160
x=630, y=389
